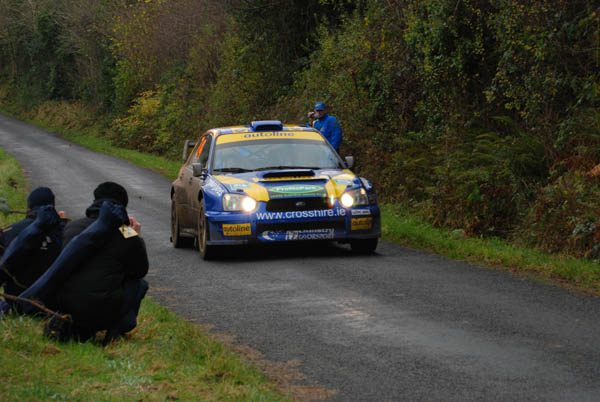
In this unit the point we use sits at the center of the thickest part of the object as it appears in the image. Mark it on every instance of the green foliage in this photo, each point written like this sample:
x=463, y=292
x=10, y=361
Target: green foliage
x=464, y=108
x=12, y=190
x=31, y=54
x=549, y=58
x=359, y=72
x=484, y=184
x=454, y=54
x=241, y=92
x=565, y=214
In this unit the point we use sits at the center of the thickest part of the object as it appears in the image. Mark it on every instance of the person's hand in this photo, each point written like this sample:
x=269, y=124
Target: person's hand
x=112, y=214
x=62, y=214
x=311, y=115
x=135, y=225
x=47, y=217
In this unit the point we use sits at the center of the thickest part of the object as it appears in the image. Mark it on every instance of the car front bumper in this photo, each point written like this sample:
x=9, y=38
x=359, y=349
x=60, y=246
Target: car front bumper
x=339, y=224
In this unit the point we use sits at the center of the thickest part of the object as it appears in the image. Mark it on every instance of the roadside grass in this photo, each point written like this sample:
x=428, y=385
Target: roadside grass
x=164, y=358
x=13, y=188
x=76, y=124
x=98, y=144
x=399, y=225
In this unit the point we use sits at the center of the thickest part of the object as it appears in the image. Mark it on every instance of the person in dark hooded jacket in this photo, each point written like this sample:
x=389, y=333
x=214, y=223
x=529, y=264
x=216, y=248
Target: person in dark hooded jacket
x=105, y=291
x=29, y=260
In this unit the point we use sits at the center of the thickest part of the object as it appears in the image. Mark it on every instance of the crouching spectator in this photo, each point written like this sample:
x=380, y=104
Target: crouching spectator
x=29, y=247
x=104, y=292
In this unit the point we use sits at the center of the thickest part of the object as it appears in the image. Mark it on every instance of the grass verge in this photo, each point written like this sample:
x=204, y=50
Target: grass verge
x=164, y=358
x=13, y=188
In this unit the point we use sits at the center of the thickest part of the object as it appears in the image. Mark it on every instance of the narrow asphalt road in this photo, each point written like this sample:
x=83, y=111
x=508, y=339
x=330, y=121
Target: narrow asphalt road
x=401, y=325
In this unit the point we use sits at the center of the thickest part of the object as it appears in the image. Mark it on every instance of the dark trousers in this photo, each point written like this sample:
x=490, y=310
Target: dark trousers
x=134, y=291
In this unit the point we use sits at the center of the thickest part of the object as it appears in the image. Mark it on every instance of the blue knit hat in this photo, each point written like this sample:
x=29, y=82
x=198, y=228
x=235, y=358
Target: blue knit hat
x=40, y=196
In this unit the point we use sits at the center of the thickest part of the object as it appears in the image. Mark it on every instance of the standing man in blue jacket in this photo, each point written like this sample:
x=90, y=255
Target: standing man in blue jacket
x=328, y=125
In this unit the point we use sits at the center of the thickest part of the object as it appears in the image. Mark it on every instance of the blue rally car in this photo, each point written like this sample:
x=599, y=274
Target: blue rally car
x=269, y=182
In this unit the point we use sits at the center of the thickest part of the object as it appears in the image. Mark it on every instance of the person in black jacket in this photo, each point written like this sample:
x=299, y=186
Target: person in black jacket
x=105, y=291
x=28, y=261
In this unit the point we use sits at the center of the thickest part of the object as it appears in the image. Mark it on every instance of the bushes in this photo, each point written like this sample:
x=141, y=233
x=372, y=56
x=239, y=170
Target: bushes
x=476, y=113
x=361, y=72
x=566, y=216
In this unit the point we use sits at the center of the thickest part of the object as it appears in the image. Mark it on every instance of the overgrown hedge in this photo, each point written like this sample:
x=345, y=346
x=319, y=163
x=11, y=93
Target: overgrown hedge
x=481, y=115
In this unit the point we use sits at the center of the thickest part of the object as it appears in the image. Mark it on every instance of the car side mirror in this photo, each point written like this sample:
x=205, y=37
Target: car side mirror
x=349, y=161
x=186, y=149
x=198, y=170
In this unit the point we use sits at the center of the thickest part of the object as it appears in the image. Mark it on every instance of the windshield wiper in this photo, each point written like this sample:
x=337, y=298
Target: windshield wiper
x=233, y=170
x=288, y=167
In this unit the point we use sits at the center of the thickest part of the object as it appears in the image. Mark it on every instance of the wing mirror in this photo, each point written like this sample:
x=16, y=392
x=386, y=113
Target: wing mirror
x=186, y=149
x=198, y=170
x=349, y=161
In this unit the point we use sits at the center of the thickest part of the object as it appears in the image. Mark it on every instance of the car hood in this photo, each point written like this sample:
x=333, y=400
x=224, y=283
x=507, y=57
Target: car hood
x=292, y=183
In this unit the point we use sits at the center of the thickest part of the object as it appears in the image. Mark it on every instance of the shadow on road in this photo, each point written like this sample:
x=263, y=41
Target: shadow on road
x=286, y=251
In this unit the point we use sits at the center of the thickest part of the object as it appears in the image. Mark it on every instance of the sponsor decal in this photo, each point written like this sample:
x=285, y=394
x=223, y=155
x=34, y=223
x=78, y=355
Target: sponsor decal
x=268, y=134
x=238, y=186
x=359, y=212
x=270, y=235
x=361, y=223
x=313, y=234
x=344, y=182
x=297, y=190
x=267, y=179
x=319, y=213
x=295, y=235
x=242, y=229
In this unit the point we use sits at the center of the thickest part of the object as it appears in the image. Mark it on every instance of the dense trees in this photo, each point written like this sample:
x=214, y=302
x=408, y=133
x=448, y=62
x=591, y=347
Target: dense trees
x=481, y=114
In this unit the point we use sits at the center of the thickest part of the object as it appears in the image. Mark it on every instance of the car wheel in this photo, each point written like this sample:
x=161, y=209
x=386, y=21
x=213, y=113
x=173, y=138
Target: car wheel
x=364, y=246
x=206, y=251
x=176, y=239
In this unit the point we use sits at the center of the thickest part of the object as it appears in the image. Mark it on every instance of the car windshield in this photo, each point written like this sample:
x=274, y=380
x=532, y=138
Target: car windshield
x=245, y=156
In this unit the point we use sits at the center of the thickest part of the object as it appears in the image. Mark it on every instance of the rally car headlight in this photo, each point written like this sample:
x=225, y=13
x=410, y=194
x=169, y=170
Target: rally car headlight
x=238, y=202
x=354, y=198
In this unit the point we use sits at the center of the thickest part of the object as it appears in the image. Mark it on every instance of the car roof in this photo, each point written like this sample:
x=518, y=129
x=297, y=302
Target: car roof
x=261, y=126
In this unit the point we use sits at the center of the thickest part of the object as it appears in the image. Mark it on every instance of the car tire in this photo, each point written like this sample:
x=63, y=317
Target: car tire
x=176, y=238
x=364, y=246
x=206, y=252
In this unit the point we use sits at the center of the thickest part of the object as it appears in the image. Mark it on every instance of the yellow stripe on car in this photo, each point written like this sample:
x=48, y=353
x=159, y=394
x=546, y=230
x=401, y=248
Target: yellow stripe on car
x=268, y=135
x=256, y=191
x=335, y=186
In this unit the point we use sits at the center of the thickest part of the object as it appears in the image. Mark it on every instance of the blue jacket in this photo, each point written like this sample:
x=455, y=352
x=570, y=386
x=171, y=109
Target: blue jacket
x=31, y=245
x=331, y=129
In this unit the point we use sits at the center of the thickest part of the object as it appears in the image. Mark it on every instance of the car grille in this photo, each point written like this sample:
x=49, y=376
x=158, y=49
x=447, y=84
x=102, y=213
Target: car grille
x=276, y=227
x=297, y=204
